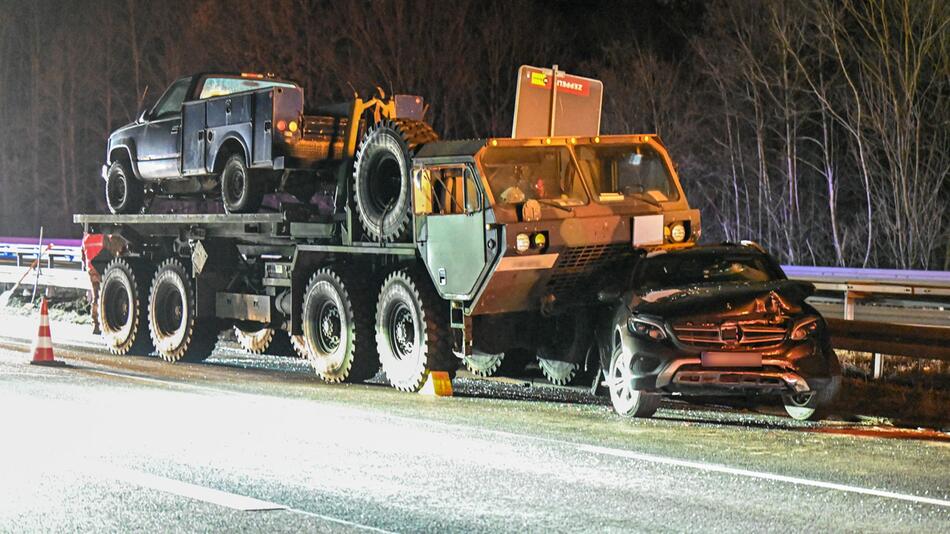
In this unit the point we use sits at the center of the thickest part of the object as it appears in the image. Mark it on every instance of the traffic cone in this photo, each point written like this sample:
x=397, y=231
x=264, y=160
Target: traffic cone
x=438, y=384
x=43, y=344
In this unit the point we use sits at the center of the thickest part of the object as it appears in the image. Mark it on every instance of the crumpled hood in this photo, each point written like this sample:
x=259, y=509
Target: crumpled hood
x=784, y=296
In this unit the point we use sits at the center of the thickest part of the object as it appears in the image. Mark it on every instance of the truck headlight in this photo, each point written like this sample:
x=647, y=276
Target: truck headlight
x=522, y=243
x=678, y=232
x=644, y=328
x=805, y=328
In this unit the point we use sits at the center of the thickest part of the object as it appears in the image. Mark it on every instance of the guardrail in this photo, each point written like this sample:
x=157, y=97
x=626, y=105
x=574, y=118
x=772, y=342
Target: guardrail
x=883, y=311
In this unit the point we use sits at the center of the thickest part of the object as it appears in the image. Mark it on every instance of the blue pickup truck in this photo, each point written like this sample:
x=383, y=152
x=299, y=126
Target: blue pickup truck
x=239, y=136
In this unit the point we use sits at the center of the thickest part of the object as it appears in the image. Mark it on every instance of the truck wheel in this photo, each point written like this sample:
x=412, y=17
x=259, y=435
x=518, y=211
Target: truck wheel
x=177, y=333
x=123, y=309
x=265, y=341
x=382, y=188
x=124, y=193
x=241, y=190
x=567, y=344
x=482, y=363
x=627, y=400
x=412, y=335
x=813, y=405
x=338, y=328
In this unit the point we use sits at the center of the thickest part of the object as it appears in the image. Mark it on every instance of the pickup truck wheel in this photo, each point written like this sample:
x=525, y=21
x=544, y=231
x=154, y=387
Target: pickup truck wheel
x=626, y=399
x=173, y=323
x=123, y=308
x=412, y=334
x=241, y=190
x=124, y=193
x=382, y=189
x=338, y=328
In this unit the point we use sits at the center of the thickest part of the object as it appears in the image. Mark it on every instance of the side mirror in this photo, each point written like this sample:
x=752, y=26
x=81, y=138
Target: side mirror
x=143, y=116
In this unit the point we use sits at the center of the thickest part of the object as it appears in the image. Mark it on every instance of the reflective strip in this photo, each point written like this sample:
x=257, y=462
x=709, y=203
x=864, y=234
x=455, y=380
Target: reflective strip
x=525, y=263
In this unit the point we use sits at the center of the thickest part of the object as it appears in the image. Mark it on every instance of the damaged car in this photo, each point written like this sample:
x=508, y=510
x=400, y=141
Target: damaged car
x=716, y=321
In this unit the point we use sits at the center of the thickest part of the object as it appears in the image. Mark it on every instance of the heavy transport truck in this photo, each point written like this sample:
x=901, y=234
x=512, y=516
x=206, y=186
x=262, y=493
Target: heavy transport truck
x=431, y=254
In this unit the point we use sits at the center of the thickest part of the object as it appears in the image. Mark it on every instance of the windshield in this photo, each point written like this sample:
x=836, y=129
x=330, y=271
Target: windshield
x=620, y=172
x=675, y=270
x=220, y=86
x=517, y=174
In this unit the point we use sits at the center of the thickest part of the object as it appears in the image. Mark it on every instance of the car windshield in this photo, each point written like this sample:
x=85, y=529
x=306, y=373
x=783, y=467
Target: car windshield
x=689, y=269
x=547, y=174
x=220, y=86
x=622, y=172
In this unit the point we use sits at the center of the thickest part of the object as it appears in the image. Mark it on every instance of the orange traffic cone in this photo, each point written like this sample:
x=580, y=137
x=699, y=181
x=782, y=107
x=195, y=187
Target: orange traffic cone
x=43, y=344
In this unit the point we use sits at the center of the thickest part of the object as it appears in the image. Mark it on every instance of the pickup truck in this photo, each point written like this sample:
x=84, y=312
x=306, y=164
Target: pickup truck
x=239, y=136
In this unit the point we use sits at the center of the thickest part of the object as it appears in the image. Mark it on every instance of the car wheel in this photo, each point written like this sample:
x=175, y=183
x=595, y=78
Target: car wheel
x=241, y=190
x=812, y=405
x=124, y=193
x=627, y=400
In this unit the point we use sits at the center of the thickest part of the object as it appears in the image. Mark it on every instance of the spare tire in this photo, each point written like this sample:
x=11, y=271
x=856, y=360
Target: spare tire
x=382, y=189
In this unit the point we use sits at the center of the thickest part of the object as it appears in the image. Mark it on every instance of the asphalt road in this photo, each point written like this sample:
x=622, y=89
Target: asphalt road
x=132, y=444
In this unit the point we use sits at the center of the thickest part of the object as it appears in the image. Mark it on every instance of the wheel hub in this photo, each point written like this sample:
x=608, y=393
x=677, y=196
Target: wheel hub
x=403, y=332
x=329, y=331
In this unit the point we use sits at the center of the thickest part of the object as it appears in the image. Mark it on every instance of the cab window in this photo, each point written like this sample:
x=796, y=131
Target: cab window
x=169, y=105
x=453, y=190
x=222, y=85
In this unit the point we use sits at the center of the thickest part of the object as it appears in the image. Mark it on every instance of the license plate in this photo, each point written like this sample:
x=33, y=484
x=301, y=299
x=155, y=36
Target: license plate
x=731, y=359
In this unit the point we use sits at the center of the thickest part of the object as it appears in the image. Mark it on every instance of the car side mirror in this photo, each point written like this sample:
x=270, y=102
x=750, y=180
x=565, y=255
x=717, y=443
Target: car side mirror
x=143, y=116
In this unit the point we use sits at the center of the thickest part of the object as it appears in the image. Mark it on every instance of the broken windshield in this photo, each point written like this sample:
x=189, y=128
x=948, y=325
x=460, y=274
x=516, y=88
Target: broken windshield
x=621, y=172
x=517, y=174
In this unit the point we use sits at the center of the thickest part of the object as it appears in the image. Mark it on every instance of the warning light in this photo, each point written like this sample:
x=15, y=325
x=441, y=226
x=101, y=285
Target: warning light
x=293, y=126
x=281, y=125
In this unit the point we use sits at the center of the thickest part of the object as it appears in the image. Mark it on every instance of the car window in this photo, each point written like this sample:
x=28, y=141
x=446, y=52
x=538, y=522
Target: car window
x=676, y=270
x=170, y=103
x=220, y=86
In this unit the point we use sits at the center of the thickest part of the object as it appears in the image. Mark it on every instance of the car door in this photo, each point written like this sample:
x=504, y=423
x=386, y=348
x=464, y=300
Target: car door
x=159, y=151
x=455, y=239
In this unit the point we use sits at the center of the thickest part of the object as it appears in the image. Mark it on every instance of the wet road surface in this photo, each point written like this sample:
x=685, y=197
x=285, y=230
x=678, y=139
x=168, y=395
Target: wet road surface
x=132, y=443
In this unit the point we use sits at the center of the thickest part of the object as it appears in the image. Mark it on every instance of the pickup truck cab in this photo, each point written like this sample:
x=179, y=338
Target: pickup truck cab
x=239, y=135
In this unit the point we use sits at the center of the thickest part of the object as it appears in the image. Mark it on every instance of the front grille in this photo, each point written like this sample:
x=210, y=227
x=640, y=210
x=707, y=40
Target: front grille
x=580, y=270
x=729, y=335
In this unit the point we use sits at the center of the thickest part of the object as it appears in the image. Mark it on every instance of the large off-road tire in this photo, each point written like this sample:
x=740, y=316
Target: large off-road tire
x=124, y=192
x=483, y=364
x=625, y=398
x=338, y=327
x=123, y=308
x=558, y=356
x=242, y=191
x=412, y=331
x=813, y=405
x=173, y=323
x=265, y=341
x=381, y=183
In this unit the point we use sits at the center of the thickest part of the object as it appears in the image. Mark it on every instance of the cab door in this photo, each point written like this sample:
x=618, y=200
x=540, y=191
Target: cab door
x=453, y=236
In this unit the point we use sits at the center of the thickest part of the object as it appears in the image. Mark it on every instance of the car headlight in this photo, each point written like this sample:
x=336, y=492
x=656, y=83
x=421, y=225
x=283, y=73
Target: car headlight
x=639, y=326
x=805, y=328
x=522, y=243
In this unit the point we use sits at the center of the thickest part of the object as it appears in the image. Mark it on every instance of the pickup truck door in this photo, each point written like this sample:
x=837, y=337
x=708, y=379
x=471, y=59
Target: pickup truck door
x=159, y=150
x=455, y=241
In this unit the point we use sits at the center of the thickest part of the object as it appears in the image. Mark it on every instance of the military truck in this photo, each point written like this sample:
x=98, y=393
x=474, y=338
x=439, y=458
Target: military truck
x=431, y=254
x=239, y=136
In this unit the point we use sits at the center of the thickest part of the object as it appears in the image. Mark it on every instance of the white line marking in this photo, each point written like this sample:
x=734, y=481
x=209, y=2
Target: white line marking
x=192, y=491
x=213, y=496
x=760, y=475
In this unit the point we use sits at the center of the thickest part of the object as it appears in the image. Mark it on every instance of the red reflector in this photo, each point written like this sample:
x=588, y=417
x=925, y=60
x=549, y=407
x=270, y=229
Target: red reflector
x=281, y=125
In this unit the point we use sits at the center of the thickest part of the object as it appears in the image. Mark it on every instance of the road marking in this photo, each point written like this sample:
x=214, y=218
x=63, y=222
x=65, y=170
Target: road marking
x=714, y=468
x=192, y=491
x=213, y=496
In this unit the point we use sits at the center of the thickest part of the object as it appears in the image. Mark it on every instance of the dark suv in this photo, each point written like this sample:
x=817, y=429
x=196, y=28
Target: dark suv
x=715, y=321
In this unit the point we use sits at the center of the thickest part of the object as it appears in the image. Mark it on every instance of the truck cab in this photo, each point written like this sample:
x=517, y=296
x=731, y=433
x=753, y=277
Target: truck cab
x=514, y=229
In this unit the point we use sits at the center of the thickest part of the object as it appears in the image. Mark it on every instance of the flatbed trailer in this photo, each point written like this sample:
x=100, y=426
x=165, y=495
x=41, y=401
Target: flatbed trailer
x=485, y=250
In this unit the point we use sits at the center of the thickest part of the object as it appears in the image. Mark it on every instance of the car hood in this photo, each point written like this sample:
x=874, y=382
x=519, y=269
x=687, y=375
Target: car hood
x=779, y=296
